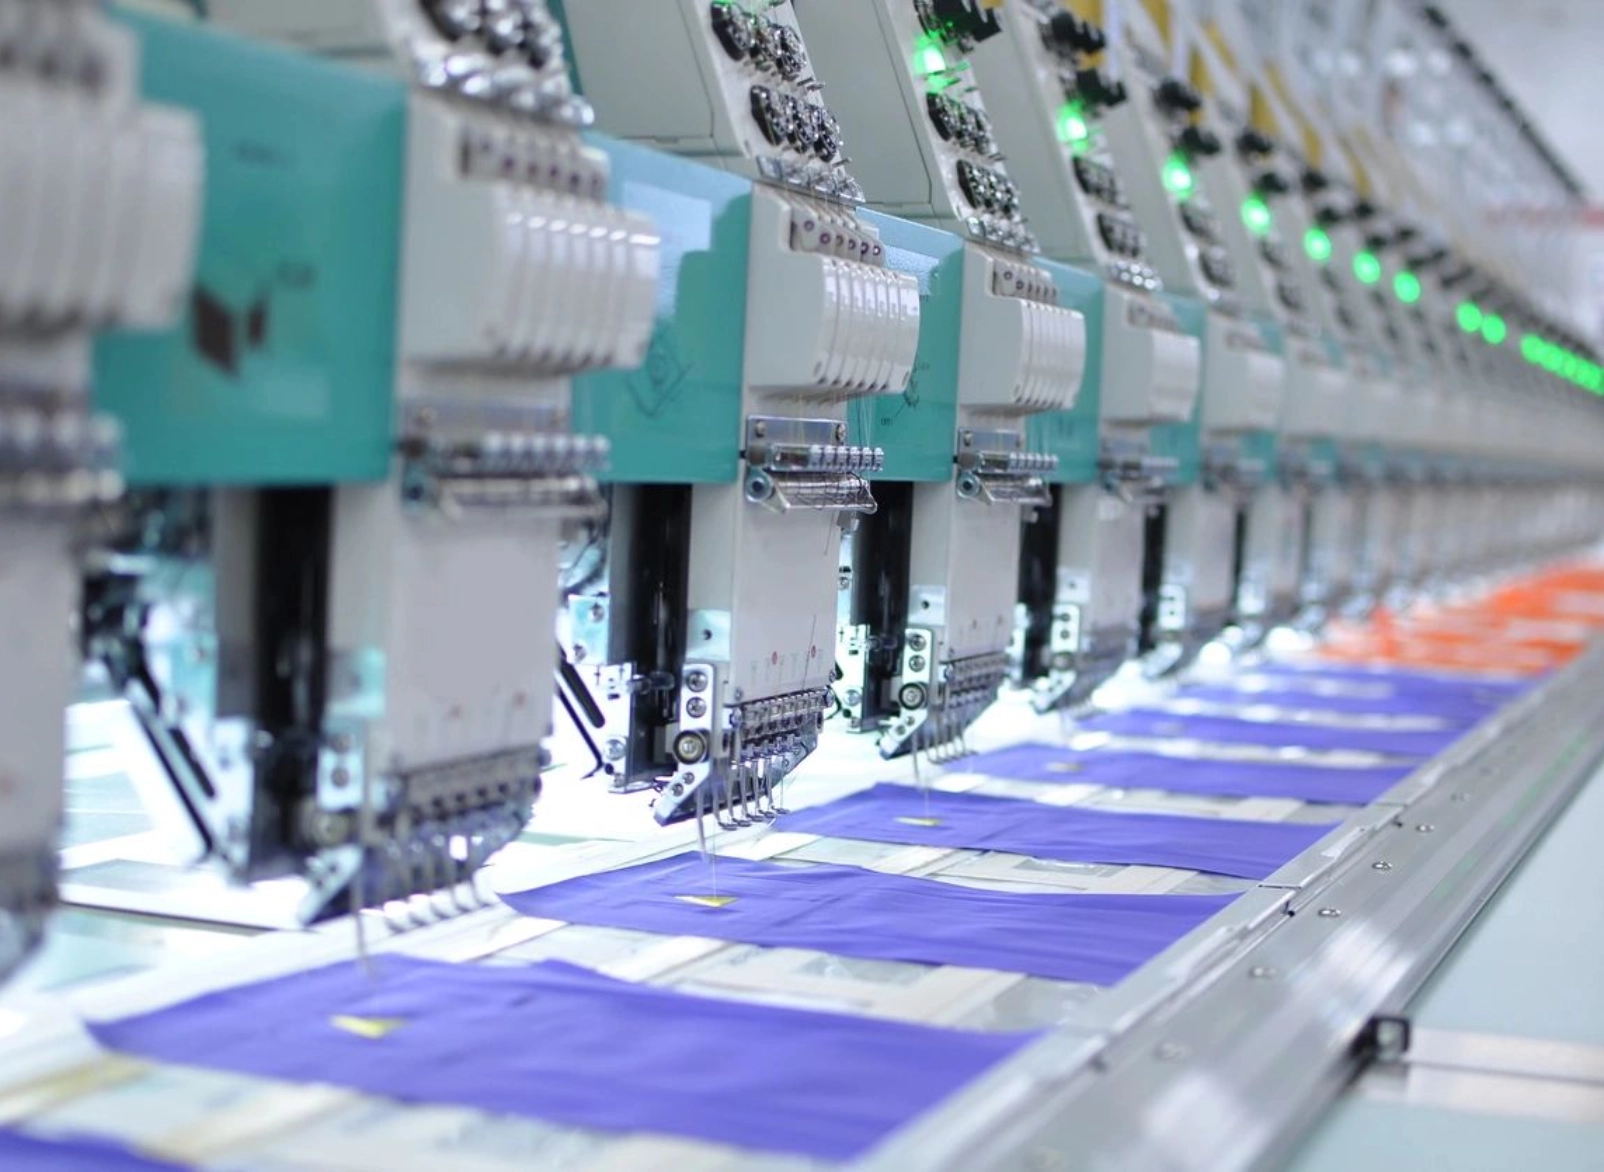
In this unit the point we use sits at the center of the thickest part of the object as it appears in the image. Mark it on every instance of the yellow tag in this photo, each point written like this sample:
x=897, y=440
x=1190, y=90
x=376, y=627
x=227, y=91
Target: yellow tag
x=1064, y=767
x=920, y=821
x=714, y=901
x=372, y=1028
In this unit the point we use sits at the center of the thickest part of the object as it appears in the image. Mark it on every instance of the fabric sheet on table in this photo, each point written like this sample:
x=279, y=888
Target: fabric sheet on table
x=902, y=814
x=1286, y=734
x=562, y=1044
x=1399, y=682
x=849, y=911
x=31, y=1153
x=1131, y=769
x=1461, y=709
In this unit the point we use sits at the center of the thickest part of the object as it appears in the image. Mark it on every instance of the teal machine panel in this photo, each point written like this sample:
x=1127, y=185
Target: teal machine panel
x=1183, y=442
x=918, y=428
x=1074, y=435
x=283, y=369
x=677, y=418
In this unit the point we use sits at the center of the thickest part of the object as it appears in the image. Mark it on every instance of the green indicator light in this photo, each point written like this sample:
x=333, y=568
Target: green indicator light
x=1570, y=366
x=1257, y=216
x=1407, y=286
x=1072, y=127
x=1531, y=348
x=928, y=59
x=1493, y=330
x=1367, y=268
x=1178, y=176
x=1317, y=243
x=1470, y=317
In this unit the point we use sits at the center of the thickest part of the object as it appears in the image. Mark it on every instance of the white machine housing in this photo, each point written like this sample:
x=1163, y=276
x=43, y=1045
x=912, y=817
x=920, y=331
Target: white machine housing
x=100, y=202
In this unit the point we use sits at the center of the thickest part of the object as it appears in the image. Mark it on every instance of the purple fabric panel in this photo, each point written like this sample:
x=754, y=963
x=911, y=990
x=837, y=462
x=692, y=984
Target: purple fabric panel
x=1126, y=769
x=26, y=1153
x=1230, y=730
x=563, y=1044
x=848, y=911
x=1401, y=682
x=1461, y=709
x=900, y=813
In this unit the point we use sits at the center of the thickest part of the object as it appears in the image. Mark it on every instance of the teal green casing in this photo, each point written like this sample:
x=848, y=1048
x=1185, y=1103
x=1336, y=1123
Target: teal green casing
x=677, y=418
x=1074, y=436
x=1183, y=442
x=918, y=428
x=283, y=369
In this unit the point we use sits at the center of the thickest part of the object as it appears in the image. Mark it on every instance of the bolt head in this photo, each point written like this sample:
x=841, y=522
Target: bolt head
x=1330, y=913
x=1381, y=865
x=696, y=707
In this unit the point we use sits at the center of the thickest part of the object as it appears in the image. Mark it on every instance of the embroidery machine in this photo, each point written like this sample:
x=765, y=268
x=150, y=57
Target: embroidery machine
x=774, y=373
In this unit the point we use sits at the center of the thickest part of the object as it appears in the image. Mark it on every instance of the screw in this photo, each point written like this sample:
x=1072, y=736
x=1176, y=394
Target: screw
x=340, y=742
x=968, y=439
x=1425, y=828
x=916, y=663
x=760, y=429
x=1262, y=972
x=696, y=681
x=1381, y=865
x=597, y=612
x=840, y=433
x=678, y=789
x=916, y=642
x=1330, y=913
x=340, y=776
x=696, y=707
x=614, y=749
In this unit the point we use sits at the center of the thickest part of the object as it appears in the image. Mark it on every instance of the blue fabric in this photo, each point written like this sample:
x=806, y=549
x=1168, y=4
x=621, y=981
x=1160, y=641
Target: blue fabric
x=1131, y=769
x=848, y=911
x=1231, y=730
x=1401, y=682
x=1463, y=709
x=27, y=1153
x=563, y=1044
x=900, y=813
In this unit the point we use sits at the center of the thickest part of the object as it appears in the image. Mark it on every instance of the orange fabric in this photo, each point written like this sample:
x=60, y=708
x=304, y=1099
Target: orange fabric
x=1523, y=628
